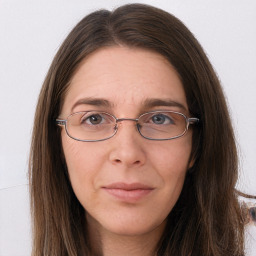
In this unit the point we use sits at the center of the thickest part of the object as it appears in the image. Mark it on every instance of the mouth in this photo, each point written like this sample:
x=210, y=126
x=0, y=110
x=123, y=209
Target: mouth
x=128, y=192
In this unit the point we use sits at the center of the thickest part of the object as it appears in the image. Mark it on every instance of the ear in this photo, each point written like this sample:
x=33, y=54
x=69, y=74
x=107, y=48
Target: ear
x=191, y=162
x=194, y=155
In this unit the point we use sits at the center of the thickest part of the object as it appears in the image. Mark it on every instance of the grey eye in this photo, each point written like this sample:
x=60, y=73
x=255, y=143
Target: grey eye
x=161, y=119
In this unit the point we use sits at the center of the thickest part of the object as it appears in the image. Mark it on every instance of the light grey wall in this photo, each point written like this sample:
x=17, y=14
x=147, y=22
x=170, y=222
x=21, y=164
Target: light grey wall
x=30, y=34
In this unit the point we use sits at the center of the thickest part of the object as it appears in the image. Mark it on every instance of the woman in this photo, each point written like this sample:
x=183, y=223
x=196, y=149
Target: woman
x=133, y=152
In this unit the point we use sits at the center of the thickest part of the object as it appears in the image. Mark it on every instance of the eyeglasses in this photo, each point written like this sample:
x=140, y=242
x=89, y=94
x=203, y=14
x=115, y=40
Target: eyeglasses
x=98, y=126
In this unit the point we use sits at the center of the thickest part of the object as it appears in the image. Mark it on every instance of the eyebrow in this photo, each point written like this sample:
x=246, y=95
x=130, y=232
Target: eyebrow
x=93, y=102
x=147, y=103
x=150, y=103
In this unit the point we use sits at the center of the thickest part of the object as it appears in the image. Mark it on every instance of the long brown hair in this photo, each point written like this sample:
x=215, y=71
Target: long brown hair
x=207, y=219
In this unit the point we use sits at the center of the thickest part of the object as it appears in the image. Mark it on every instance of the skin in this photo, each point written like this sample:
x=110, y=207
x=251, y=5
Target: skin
x=126, y=78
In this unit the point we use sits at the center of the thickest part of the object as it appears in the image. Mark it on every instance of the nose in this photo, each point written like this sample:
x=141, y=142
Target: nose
x=127, y=147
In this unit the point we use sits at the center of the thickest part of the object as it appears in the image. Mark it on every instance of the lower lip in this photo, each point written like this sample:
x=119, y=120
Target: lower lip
x=128, y=195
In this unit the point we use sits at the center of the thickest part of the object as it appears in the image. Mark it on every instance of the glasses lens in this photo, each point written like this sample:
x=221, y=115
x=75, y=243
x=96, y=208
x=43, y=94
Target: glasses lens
x=162, y=125
x=90, y=126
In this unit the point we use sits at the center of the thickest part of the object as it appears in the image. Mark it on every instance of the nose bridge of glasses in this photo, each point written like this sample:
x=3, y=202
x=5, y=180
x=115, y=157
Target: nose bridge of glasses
x=118, y=120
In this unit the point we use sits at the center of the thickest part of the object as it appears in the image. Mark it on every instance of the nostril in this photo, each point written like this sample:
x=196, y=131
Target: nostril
x=119, y=161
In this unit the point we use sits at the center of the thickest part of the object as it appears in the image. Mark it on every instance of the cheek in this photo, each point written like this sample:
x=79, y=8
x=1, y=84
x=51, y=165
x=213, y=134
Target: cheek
x=80, y=156
x=83, y=162
x=172, y=157
x=171, y=160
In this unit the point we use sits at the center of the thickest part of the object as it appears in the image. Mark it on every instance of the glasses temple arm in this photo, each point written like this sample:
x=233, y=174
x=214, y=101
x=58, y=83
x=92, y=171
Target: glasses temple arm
x=60, y=122
x=193, y=120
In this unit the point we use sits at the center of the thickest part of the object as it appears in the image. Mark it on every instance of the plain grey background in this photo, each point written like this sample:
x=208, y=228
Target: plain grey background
x=30, y=34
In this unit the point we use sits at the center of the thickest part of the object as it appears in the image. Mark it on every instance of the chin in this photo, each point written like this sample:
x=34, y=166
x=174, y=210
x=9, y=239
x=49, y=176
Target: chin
x=133, y=227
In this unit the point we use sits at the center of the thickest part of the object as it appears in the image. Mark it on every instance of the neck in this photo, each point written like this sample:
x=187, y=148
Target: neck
x=106, y=243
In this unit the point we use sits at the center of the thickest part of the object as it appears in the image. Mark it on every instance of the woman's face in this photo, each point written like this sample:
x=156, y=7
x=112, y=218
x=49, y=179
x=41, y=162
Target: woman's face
x=127, y=184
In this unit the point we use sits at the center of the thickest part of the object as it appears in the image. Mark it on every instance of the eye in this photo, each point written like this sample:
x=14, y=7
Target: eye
x=162, y=119
x=92, y=119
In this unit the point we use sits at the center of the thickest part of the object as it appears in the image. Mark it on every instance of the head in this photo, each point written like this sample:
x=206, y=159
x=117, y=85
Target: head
x=207, y=175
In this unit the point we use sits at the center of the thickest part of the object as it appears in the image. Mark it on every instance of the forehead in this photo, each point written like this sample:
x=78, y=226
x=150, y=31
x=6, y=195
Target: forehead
x=124, y=77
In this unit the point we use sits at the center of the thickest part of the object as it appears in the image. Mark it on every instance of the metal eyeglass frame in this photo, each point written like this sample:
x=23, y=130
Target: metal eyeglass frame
x=189, y=120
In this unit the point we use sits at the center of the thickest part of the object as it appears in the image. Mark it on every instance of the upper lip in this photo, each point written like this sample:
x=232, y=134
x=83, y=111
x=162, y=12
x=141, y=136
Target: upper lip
x=126, y=186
